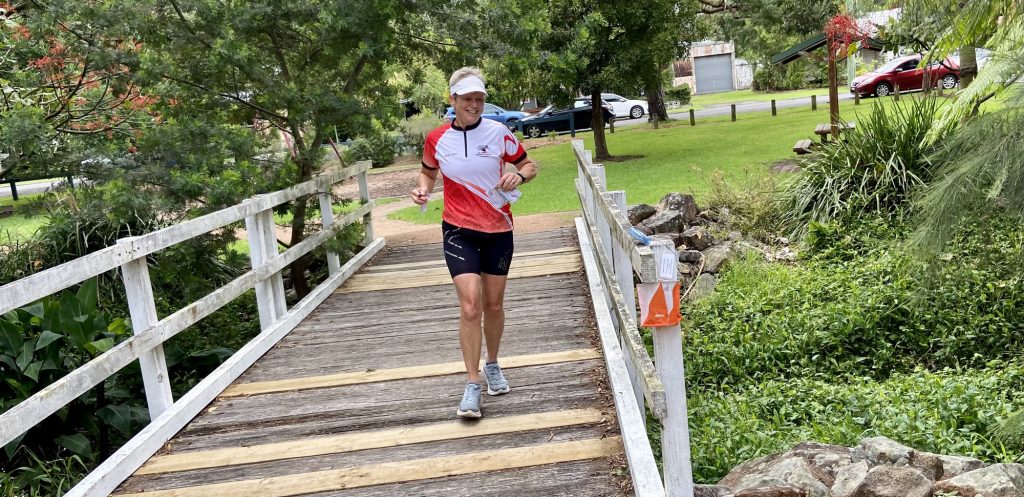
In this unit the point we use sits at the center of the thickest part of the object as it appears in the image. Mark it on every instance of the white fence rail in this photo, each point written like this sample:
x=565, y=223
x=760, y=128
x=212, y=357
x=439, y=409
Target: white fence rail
x=130, y=256
x=612, y=259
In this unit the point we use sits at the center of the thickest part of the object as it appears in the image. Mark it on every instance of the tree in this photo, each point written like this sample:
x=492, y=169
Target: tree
x=67, y=88
x=304, y=68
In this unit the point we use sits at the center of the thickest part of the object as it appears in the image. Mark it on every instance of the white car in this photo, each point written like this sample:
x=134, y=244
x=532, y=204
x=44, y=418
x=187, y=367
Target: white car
x=625, y=107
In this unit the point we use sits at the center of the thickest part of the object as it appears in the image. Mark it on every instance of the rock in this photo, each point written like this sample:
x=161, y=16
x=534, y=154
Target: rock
x=997, y=480
x=691, y=256
x=953, y=466
x=745, y=248
x=704, y=286
x=882, y=450
x=710, y=491
x=747, y=468
x=672, y=238
x=682, y=203
x=724, y=215
x=696, y=238
x=849, y=478
x=772, y=491
x=645, y=229
x=735, y=236
x=824, y=457
x=782, y=241
x=667, y=221
x=785, y=254
x=686, y=271
x=715, y=257
x=638, y=213
x=785, y=472
x=928, y=464
x=894, y=481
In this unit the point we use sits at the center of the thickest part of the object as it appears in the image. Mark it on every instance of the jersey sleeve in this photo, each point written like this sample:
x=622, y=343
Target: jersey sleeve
x=429, y=159
x=513, y=151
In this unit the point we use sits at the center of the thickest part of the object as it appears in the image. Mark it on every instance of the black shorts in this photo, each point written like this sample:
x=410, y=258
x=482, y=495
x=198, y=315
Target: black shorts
x=471, y=251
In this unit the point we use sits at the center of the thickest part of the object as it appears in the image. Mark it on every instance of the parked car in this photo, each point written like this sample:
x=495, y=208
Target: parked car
x=552, y=119
x=905, y=73
x=495, y=113
x=625, y=107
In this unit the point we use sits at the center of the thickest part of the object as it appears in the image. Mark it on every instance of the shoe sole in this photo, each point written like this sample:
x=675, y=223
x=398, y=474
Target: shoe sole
x=502, y=391
x=468, y=414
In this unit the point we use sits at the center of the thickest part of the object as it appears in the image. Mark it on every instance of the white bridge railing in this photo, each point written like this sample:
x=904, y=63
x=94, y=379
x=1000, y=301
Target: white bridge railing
x=146, y=345
x=612, y=258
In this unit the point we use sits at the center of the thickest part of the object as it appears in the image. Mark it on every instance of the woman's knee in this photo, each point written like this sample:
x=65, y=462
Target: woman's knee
x=493, y=307
x=471, y=309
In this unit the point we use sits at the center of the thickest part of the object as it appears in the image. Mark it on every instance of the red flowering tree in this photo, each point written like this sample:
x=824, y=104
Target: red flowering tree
x=66, y=87
x=843, y=36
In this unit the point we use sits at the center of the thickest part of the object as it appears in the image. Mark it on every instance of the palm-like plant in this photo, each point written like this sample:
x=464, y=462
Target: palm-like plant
x=982, y=163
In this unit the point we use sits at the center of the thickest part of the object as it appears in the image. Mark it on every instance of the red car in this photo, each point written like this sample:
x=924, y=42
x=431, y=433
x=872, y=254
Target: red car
x=903, y=72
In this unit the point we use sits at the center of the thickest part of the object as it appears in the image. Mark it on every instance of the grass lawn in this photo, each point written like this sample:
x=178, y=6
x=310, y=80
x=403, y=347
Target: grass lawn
x=676, y=158
x=698, y=102
x=17, y=227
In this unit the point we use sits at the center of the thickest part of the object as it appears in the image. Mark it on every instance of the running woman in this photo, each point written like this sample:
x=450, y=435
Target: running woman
x=471, y=153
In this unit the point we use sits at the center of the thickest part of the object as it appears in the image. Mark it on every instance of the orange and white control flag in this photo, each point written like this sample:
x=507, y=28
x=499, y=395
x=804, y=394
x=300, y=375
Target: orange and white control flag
x=659, y=303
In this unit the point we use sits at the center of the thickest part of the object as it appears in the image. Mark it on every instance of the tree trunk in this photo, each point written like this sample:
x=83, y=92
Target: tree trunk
x=656, y=101
x=597, y=124
x=305, y=160
x=833, y=92
x=968, y=66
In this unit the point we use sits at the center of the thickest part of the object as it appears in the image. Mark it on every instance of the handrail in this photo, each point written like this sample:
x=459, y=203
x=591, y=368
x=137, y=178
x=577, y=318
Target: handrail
x=149, y=338
x=604, y=230
x=32, y=288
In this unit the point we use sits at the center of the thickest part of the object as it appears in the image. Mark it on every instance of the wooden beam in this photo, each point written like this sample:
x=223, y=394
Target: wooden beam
x=431, y=277
x=401, y=471
x=121, y=464
x=342, y=379
x=351, y=442
x=436, y=271
x=441, y=262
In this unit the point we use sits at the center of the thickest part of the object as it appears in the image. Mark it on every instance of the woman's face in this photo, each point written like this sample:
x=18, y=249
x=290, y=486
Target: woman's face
x=468, y=107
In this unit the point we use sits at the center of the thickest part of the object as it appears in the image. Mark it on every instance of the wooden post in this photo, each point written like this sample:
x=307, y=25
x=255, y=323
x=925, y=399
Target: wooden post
x=856, y=98
x=668, y=359
x=572, y=124
x=693, y=119
x=364, y=196
x=732, y=110
x=327, y=217
x=142, y=309
x=611, y=126
x=814, y=102
x=833, y=93
x=263, y=246
x=774, y=113
x=896, y=93
x=14, y=191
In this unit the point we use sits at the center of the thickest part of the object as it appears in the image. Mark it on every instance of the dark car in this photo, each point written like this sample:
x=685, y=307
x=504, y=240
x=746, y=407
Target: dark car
x=494, y=113
x=552, y=119
x=904, y=73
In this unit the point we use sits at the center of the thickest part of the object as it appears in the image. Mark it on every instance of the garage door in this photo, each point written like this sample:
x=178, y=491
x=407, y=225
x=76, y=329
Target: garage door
x=713, y=73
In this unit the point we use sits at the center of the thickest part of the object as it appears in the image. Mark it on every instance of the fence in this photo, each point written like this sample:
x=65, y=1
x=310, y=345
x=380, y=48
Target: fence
x=612, y=258
x=146, y=345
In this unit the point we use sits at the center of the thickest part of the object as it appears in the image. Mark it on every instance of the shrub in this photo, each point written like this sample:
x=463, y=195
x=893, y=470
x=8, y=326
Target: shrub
x=751, y=207
x=414, y=132
x=378, y=147
x=874, y=168
x=680, y=93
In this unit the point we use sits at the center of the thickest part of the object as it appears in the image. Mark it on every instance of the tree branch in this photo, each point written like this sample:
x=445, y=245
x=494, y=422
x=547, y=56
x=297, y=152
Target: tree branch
x=236, y=98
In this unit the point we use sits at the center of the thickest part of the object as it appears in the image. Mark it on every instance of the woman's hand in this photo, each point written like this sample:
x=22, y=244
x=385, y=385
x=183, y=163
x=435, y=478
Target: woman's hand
x=419, y=196
x=510, y=181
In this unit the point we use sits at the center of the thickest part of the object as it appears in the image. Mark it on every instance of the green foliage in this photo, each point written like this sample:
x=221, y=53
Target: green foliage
x=378, y=147
x=751, y=206
x=873, y=169
x=41, y=477
x=859, y=341
x=415, y=130
x=775, y=77
x=680, y=94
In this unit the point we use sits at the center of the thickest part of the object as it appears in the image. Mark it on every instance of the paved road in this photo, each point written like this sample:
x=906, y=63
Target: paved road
x=30, y=188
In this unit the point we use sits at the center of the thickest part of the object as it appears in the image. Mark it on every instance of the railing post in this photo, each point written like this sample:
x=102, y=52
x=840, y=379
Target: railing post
x=814, y=102
x=364, y=196
x=572, y=124
x=327, y=217
x=693, y=118
x=142, y=309
x=732, y=111
x=774, y=112
x=668, y=360
x=262, y=247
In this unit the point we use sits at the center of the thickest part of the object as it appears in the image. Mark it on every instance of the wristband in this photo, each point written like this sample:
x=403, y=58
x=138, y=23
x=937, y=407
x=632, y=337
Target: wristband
x=521, y=177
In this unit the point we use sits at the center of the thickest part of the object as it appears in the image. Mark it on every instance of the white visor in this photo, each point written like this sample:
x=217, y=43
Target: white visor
x=468, y=84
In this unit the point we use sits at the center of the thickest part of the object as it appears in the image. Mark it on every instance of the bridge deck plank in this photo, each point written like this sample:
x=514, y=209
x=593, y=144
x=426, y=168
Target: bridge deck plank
x=400, y=328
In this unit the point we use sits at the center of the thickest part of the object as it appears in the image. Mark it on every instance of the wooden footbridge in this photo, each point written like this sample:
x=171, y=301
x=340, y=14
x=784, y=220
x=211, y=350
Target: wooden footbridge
x=352, y=390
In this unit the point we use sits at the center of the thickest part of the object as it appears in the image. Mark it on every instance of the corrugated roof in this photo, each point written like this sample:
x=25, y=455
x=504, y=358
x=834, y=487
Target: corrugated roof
x=813, y=43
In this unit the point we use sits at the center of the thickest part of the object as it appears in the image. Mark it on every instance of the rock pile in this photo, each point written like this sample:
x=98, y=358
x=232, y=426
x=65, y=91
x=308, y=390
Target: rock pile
x=877, y=467
x=704, y=239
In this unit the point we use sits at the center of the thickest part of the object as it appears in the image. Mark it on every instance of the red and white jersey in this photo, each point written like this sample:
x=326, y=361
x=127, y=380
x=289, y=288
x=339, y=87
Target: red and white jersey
x=471, y=160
